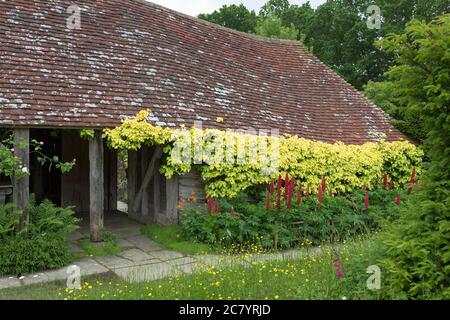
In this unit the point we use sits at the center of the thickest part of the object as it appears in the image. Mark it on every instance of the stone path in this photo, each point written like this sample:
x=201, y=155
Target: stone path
x=141, y=260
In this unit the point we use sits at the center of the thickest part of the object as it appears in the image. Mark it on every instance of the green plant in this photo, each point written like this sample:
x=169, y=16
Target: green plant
x=107, y=247
x=417, y=246
x=346, y=167
x=41, y=245
x=171, y=237
x=336, y=219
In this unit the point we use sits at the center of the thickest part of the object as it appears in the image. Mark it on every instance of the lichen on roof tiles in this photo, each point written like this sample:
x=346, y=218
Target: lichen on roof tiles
x=131, y=55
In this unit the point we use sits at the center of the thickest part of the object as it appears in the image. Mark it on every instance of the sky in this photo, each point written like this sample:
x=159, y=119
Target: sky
x=195, y=7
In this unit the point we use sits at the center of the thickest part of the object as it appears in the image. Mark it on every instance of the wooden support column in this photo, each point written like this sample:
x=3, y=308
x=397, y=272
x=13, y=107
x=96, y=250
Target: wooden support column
x=131, y=180
x=147, y=178
x=21, y=187
x=156, y=193
x=96, y=186
x=172, y=200
x=145, y=158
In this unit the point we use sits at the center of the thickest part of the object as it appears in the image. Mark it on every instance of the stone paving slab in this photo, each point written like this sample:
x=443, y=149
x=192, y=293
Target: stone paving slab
x=188, y=268
x=88, y=267
x=147, y=272
x=145, y=244
x=166, y=255
x=123, y=243
x=75, y=236
x=112, y=262
x=181, y=261
x=135, y=255
x=74, y=248
x=9, y=282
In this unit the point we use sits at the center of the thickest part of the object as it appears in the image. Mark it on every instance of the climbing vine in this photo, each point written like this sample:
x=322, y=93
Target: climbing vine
x=230, y=162
x=11, y=166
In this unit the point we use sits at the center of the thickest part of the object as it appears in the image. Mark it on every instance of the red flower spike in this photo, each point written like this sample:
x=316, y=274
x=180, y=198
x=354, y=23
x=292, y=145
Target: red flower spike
x=279, y=193
x=209, y=206
x=324, y=184
x=292, y=187
x=398, y=200
x=286, y=187
x=271, y=188
x=385, y=180
x=268, y=201
x=300, y=194
x=216, y=206
x=410, y=190
x=390, y=186
x=320, y=194
x=233, y=214
x=330, y=193
x=308, y=192
x=413, y=176
x=291, y=192
x=366, y=200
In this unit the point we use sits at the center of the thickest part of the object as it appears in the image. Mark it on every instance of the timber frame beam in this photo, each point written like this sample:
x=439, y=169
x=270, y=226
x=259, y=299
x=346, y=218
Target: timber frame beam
x=96, y=186
x=21, y=187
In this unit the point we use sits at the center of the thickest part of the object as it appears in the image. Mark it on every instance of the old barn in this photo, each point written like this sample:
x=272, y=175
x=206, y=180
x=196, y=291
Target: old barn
x=131, y=55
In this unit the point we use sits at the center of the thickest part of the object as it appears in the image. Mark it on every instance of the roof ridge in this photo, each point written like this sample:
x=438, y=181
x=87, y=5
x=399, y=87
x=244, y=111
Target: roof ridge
x=218, y=26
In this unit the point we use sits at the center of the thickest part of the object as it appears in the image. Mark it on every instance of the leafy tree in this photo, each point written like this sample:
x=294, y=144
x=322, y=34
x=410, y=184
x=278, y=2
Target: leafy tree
x=236, y=17
x=418, y=246
x=274, y=7
x=409, y=121
x=272, y=27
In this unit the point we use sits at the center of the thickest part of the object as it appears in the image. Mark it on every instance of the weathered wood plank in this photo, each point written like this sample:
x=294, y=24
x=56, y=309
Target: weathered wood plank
x=172, y=200
x=145, y=158
x=157, y=192
x=21, y=187
x=131, y=180
x=96, y=186
x=73, y=147
x=147, y=178
x=110, y=169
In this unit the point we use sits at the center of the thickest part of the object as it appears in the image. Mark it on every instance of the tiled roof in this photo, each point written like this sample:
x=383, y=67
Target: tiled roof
x=132, y=55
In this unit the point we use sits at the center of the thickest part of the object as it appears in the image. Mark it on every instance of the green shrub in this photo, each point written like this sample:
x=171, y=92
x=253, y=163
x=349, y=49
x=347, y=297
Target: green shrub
x=41, y=245
x=417, y=246
x=337, y=219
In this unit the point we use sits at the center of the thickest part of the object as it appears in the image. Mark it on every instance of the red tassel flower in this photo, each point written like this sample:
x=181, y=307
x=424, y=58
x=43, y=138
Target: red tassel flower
x=366, y=200
x=209, y=207
x=216, y=206
x=279, y=192
x=320, y=194
x=398, y=200
x=324, y=184
x=300, y=194
x=385, y=181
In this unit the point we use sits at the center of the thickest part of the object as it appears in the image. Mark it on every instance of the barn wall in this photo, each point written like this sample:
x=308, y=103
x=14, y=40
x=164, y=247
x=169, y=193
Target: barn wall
x=164, y=199
x=75, y=184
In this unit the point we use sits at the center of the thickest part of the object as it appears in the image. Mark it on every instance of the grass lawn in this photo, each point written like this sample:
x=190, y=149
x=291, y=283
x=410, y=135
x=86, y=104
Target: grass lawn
x=309, y=277
x=170, y=237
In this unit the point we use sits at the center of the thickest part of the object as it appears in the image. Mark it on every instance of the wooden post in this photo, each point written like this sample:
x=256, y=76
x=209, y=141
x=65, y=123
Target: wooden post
x=156, y=193
x=147, y=178
x=110, y=177
x=172, y=200
x=131, y=180
x=96, y=186
x=145, y=158
x=21, y=187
